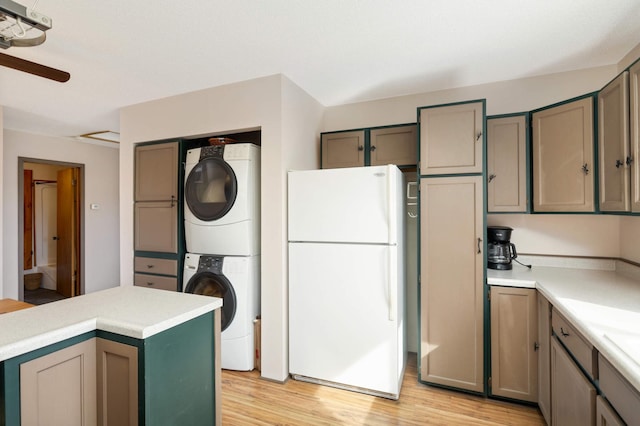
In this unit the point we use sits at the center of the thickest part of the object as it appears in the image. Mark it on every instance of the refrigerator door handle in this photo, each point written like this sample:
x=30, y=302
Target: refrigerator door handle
x=393, y=286
x=391, y=204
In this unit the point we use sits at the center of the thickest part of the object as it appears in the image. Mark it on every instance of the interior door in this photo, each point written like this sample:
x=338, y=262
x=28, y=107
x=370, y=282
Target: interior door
x=68, y=226
x=28, y=219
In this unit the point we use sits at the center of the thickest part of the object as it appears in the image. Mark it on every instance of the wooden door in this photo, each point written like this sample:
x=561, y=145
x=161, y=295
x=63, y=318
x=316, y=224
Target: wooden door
x=514, y=336
x=451, y=138
x=613, y=145
x=68, y=230
x=451, y=280
x=394, y=145
x=563, y=168
x=28, y=220
x=343, y=149
x=506, y=164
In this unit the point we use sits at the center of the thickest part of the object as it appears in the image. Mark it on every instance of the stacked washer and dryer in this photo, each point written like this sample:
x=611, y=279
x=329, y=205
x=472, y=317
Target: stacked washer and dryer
x=222, y=232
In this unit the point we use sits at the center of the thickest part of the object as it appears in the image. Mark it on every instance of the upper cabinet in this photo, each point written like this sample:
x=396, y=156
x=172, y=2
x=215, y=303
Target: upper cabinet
x=156, y=172
x=634, y=107
x=613, y=145
x=342, y=149
x=393, y=145
x=506, y=164
x=563, y=168
x=451, y=138
x=370, y=147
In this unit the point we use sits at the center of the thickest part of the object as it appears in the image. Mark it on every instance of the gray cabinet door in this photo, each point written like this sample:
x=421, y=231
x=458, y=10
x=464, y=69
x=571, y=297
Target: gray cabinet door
x=573, y=397
x=514, y=336
x=156, y=226
x=451, y=276
x=506, y=164
x=634, y=112
x=156, y=172
x=343, y=149
x=451, y=138
x=563, y=168
x=544, y=357
x=613, y=145
x=117, y=383
x=59, y=389
x=393, y=145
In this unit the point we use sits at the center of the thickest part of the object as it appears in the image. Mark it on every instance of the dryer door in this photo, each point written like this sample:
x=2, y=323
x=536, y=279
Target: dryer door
x=211, y=189
x=209, y=284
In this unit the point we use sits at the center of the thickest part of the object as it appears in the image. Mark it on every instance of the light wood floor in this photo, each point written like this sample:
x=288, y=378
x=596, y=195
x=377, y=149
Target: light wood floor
x=249, y=400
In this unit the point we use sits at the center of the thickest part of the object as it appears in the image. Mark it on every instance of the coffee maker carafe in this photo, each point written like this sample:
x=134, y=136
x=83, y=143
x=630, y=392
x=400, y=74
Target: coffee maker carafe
x=500, y=250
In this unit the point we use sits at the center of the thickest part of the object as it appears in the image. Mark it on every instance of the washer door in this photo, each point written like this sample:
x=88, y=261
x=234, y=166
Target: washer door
x=210, y=284
x=211, y=189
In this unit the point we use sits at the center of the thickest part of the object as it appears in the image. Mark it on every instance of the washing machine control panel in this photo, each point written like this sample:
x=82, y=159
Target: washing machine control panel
x=212, y=151
x=210, y=263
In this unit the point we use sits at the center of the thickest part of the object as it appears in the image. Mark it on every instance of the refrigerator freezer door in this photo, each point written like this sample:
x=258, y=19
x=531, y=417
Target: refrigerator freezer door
x=342, y=328
x=360, y=204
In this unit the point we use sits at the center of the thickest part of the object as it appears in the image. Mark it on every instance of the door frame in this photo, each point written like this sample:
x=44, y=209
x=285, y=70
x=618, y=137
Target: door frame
x=81, y=218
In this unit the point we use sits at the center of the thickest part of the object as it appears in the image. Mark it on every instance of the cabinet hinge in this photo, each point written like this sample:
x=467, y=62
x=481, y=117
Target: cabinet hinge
x=489, y=382
x=489, y=294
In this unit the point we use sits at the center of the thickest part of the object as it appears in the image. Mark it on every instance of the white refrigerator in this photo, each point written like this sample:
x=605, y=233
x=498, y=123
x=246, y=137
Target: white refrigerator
x=346, y=278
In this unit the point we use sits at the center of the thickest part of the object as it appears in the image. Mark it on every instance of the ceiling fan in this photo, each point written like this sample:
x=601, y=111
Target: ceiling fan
x=24, y=27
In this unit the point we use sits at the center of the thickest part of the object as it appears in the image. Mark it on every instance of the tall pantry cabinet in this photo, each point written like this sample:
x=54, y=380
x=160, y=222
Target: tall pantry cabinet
x=452, y=242
x=156, y=215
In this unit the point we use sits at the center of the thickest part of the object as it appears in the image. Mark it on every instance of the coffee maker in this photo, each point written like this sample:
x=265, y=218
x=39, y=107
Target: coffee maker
x=500, y=250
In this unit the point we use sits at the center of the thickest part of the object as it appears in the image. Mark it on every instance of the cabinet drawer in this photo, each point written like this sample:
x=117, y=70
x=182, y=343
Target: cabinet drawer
x=155, y=281
x=156, y=266
x=582, y=350
x=622, y=396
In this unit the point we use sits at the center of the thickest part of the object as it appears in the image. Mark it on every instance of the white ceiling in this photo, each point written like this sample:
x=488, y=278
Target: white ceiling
x=123, y=52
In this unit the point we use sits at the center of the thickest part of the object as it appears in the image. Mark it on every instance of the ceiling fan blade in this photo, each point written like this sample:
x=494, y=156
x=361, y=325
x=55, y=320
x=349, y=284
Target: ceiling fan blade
x=34, y=68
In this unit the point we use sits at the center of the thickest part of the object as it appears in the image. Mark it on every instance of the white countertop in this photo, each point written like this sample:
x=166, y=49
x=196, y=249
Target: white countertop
x=136, y=312
x=602, y=304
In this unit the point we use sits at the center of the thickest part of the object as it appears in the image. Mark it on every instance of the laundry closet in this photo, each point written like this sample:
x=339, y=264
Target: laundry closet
x=197, y=228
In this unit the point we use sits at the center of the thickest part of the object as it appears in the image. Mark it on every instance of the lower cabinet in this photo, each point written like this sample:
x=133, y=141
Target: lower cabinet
x=605, y=414
x=60, y=388
x=117, y=383
x=573, y=397
x=622, y=396
x=156, y=273
x=514, y=343
x=101, y=378
x=544, y=357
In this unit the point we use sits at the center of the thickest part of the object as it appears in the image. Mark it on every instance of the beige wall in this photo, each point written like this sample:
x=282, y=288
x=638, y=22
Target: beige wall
x=101, y=262
x=289, y=119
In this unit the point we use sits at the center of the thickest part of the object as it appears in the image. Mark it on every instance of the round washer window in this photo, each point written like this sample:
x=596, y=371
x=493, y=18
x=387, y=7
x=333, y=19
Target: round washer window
x=211, y=189
x=210, y=284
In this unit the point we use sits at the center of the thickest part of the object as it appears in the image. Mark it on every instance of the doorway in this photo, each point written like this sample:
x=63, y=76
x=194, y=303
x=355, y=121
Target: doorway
x=51, y=253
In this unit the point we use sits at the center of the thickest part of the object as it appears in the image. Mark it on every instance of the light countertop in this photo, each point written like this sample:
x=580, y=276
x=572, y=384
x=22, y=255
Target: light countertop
x=603, y=305
x=129, y=311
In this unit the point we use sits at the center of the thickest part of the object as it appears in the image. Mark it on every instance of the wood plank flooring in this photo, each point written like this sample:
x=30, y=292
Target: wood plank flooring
x=249, y=400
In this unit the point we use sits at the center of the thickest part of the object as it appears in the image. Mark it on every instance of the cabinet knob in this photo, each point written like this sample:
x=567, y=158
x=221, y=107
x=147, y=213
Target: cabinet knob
x=491, y=177
x=619, y=163
x=564, y=333
x=149, y=283
x=479, y=244
x=373, y=148
x=360, y=148
x=629, y=161
x=585, y=168
x=536, y=346
x=149, y=266
x=478, y=136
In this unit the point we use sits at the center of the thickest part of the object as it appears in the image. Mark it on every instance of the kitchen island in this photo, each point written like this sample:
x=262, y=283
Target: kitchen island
x=599, y=299
x=163, y=345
